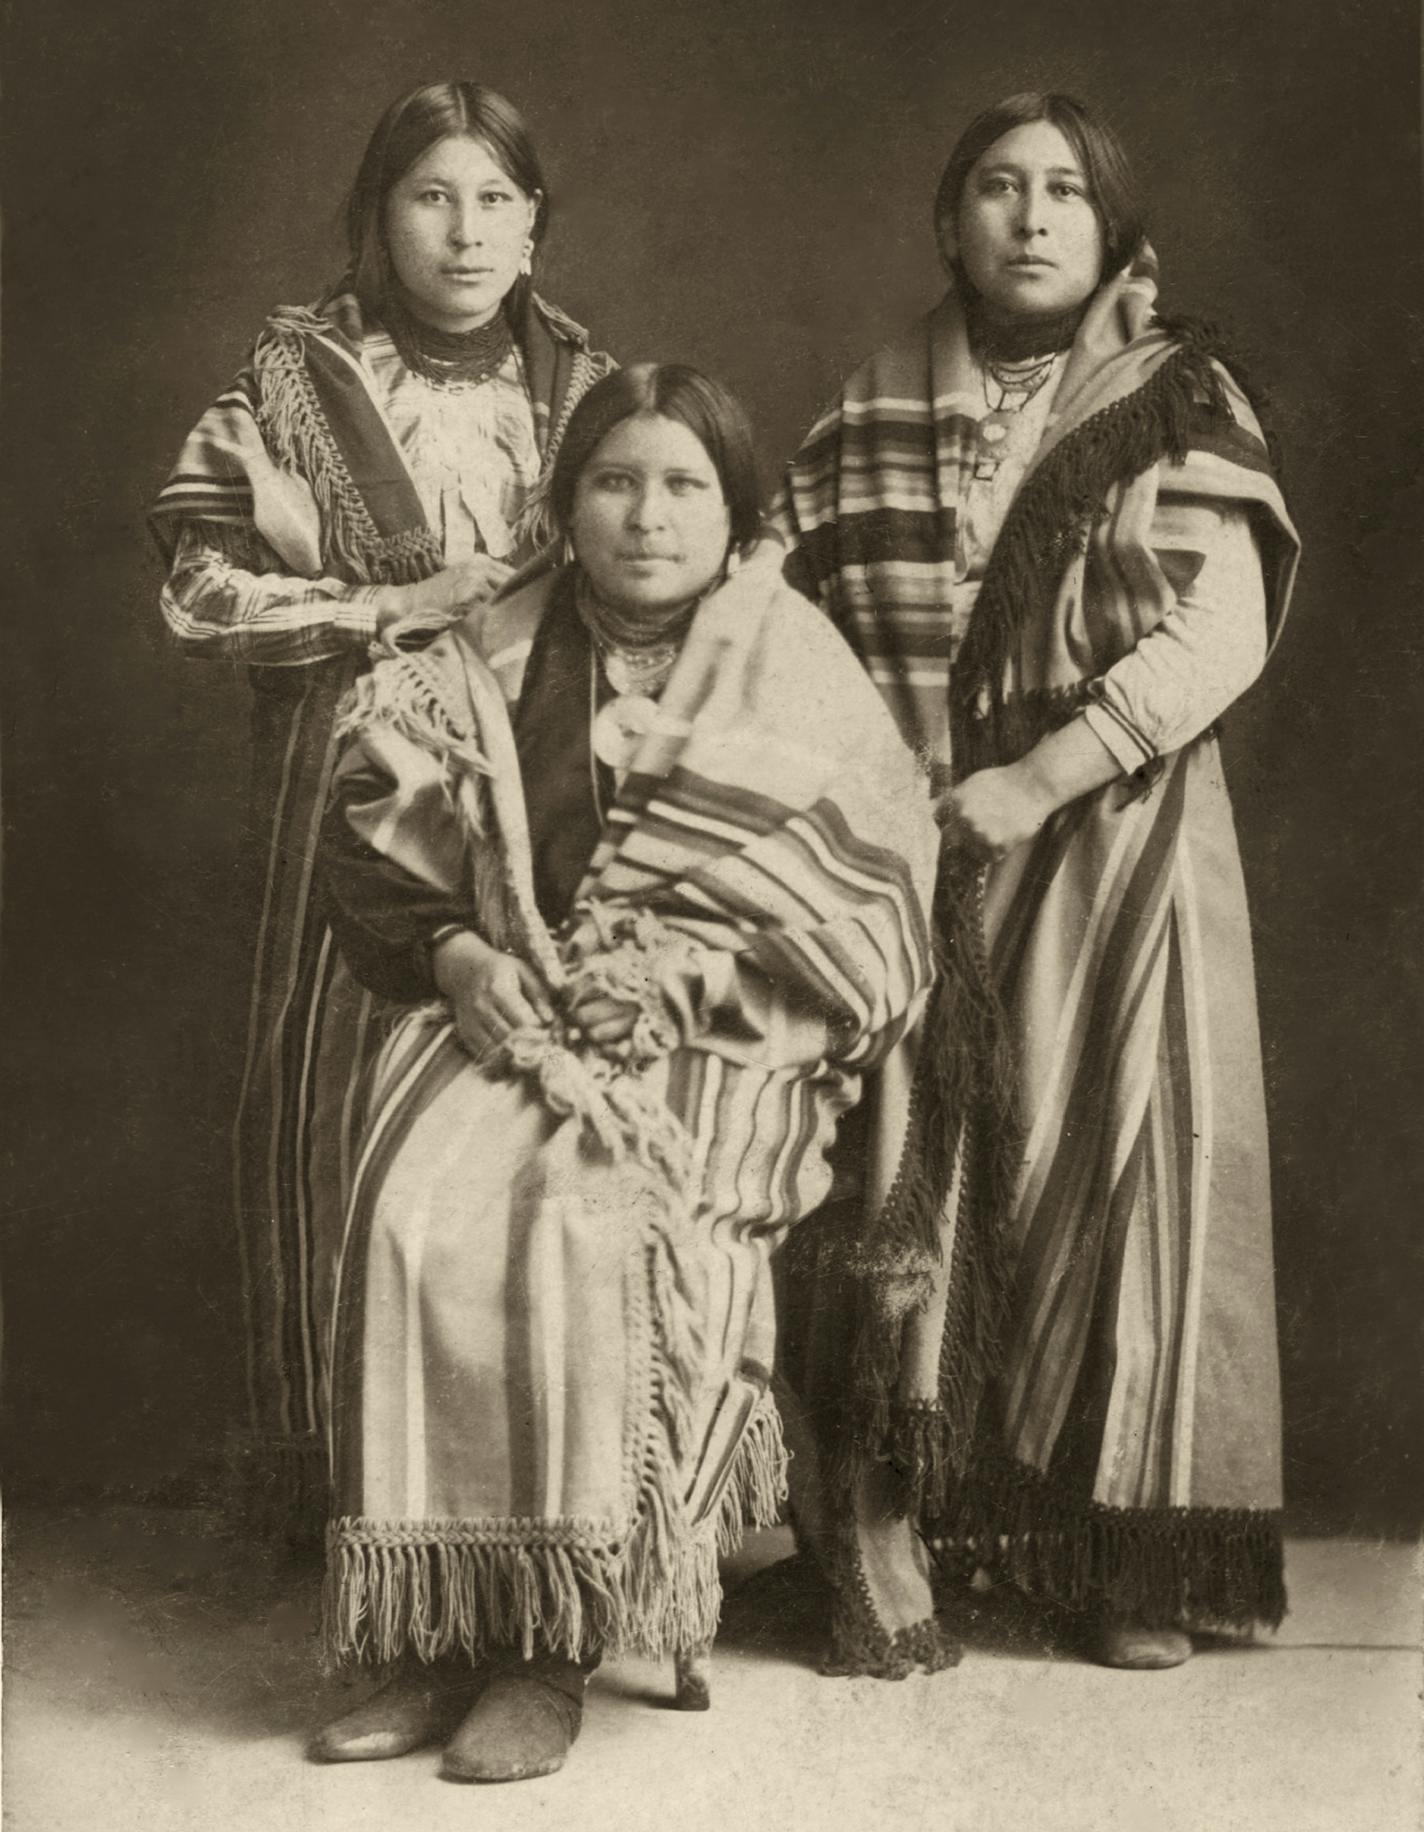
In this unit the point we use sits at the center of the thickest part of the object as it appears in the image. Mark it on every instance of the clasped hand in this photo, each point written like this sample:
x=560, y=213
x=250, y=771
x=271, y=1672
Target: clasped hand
x=991, y=812
x=444, y=596
x=492, y=993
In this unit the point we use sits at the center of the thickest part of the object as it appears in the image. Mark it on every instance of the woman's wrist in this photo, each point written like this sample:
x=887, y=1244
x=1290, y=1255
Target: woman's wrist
x=1070, y=762
x=391, y=603
x=452, y=946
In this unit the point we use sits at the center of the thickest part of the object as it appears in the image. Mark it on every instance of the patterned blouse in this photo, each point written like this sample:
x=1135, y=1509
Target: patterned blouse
x=472, y=453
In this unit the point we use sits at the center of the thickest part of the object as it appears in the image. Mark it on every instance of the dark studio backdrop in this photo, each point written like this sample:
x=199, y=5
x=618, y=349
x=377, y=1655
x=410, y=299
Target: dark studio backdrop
x=745, y=185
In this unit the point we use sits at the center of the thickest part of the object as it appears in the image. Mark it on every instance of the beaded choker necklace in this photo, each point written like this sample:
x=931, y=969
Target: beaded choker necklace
x=463, y=357
x=637, y=657
x=1018, y=340
x=1006, y=339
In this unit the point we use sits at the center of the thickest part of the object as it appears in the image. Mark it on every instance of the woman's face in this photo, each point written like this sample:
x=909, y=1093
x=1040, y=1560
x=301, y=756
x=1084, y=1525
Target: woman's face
x=1029, y=236
x=456, y=229
x=650, y=523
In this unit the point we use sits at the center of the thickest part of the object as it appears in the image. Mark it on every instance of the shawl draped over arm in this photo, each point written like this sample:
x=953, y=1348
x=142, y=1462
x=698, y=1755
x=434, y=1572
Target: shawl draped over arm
x=761, y=892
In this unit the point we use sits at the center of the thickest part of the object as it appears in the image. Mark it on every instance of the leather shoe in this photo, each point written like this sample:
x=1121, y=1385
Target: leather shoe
x=418, y=1705
x=1117, y=1643
x=523, y=1724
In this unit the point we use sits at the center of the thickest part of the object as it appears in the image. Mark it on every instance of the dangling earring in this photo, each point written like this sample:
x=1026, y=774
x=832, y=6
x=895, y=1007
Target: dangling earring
x=526, y=265
x=569, y=556
x=734, y=562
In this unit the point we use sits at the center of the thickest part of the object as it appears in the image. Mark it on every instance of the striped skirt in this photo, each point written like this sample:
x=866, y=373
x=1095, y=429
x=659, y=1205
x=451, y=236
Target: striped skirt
x=550, y=1394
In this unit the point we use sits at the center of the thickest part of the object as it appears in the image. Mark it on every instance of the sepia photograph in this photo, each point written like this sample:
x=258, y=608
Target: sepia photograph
x=710, y=916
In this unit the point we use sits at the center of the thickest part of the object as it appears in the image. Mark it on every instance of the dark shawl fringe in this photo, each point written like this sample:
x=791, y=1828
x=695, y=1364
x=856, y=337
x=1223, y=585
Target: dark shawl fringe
x=963, y=1089
x=1205, y=334
x=965, y=1078
x=1047, y=524
x=1159, y=1567
x=860, y=1648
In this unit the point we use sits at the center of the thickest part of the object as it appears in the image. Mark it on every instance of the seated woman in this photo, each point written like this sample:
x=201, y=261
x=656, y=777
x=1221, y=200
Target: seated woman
x=643, y=850
x=1045, y=518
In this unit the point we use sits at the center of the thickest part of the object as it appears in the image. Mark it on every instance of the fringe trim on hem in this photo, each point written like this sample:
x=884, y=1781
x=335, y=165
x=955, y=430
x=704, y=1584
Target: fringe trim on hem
x=757, y=1490
x=440, y=1587
x=433, y=1589
x=1158, y=1567
x=861, y=1646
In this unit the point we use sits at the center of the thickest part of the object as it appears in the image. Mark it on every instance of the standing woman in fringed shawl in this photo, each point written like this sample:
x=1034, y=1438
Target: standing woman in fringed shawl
x=377, y=465
x=1046, y=520
x=643, y=852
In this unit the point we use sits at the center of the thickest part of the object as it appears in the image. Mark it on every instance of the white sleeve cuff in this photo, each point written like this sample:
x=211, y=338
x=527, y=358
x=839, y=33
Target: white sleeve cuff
x=1126, y=745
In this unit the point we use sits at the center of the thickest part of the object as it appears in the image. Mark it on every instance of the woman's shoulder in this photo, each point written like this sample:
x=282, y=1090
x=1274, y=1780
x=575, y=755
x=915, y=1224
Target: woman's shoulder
x=501, y=631
x=335, y=316
x=558, y=325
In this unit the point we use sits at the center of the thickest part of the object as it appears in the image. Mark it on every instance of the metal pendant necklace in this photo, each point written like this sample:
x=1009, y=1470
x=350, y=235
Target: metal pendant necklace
x=1017, y=384
x=636, y=660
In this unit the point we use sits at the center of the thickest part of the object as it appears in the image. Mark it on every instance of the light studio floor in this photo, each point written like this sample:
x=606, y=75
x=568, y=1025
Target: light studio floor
x=158, y=1676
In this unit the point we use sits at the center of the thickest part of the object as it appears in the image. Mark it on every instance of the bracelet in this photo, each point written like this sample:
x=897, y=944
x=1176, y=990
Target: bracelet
x=445, y=931
x=424, y=951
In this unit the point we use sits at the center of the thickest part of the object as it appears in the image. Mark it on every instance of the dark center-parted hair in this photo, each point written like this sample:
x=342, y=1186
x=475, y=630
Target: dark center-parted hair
x=714, y=416
x=409, y=128
x=1112, y=187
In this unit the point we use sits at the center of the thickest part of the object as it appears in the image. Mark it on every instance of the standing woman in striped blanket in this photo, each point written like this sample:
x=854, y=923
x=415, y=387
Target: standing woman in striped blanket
x=1045, y=517
x=643, y=852
x=376, y=465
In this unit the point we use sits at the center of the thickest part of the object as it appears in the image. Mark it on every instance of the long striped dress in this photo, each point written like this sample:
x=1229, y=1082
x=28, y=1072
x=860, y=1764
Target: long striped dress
x=1085, y=1390
x=324, y=473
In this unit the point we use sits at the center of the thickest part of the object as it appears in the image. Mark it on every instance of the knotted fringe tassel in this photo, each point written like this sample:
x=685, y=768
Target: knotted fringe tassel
x=406, y=694
x=291, y=421
x=756, y=1491
x=406, y=1587
x=1157, y=1567
x=439, y=1587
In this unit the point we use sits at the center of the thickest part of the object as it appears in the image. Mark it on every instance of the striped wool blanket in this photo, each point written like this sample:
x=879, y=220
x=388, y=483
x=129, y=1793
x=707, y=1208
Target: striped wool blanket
x=296, y=451
x=1080, y=1379
x=554, y=1327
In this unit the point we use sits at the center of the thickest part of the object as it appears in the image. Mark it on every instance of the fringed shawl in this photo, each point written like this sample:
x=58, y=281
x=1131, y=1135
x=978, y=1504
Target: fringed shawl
x=1073, y=1023
x=760, y=893
x=298, y=445
x=870, y=507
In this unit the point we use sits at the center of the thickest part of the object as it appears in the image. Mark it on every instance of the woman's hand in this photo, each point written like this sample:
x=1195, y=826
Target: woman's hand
x=490, y=993
x=993, y=811
x=445, y=595
x=601, y=1018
